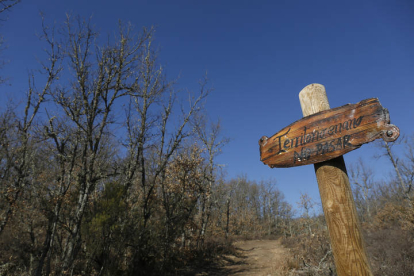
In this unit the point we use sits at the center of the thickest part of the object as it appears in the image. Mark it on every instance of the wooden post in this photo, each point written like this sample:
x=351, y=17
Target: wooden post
x=321, y=138
x=337, y=200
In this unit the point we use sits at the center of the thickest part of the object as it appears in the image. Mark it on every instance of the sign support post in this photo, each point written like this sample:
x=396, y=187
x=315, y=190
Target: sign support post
x=321, y=137
x=337, y=200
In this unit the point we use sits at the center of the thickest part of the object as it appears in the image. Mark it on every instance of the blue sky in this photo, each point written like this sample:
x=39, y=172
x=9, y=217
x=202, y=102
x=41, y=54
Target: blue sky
x=259, y=55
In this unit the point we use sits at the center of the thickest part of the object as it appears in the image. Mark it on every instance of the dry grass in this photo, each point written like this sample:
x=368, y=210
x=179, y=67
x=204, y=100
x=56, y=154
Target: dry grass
x=389, y=238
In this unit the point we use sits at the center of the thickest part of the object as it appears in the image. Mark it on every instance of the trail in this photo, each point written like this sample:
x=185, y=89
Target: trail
x=255, y=257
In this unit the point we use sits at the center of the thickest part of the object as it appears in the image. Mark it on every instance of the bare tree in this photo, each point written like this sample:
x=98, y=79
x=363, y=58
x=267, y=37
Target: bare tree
x=403, y=169
x=407, y=167
x=82, y=122
x=17, y=139
x=181, y=189
x=231, y=189
x=271, y=204
x=210, y=139
x=6, y=5
x=362, y=178
x=153, y=140
x=306, y=203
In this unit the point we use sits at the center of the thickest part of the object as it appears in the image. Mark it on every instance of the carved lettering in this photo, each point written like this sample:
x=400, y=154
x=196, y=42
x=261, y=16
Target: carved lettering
x=280, y=143
x=328, y=134
x=322, y=148
x=319, y=148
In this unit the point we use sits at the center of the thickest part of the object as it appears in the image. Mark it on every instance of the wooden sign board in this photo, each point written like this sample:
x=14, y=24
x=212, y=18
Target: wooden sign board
x=328, y=134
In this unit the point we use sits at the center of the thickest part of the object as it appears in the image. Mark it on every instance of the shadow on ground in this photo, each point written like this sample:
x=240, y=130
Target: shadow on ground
x=225, y=265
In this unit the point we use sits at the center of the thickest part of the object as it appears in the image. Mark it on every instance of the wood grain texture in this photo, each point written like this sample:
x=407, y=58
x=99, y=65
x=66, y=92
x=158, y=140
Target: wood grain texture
x=313, y=99
x=326, y=134
x=337, y=200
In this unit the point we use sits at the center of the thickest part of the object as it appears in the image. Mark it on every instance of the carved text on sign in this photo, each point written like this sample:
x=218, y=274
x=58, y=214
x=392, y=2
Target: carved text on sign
x=327, y=134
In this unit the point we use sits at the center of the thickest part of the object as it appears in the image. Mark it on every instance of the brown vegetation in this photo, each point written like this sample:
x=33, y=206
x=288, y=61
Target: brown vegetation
x=105, y=170
x=116, y=175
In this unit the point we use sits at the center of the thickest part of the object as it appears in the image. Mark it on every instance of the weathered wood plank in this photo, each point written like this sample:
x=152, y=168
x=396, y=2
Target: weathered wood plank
x=337, y=201
x=328, y=134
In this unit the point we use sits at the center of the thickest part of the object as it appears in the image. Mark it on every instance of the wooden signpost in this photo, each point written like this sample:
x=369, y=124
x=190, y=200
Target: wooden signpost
x=321, y=138
x=327, y=134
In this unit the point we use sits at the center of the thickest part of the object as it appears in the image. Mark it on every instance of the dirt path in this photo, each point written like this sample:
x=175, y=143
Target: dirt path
x=255, y=257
